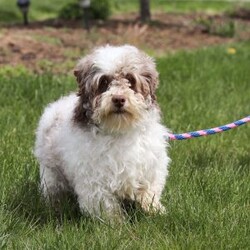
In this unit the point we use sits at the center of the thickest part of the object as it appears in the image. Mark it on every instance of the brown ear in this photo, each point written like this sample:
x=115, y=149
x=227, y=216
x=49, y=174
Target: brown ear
x=83, y=69
x=150, y=74
x=152, y=80
x=84, y=72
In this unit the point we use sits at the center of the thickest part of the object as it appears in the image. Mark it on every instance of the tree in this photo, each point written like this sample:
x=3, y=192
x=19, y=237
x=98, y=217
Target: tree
x=145, y=10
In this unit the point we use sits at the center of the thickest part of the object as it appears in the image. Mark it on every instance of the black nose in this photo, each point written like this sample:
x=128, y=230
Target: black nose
x=119, y=100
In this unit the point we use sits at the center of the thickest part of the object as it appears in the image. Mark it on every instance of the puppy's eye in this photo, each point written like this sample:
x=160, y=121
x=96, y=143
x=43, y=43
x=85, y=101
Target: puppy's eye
x=132, y=81
x=103, y=84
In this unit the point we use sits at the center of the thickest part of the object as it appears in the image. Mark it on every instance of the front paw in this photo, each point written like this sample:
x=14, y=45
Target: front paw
x=153, y=208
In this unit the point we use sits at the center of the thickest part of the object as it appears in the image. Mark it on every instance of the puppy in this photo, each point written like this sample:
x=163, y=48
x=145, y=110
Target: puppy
x=106, y=142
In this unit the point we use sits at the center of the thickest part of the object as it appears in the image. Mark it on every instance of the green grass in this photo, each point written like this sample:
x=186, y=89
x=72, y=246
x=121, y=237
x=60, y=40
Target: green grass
x=40, y=10
x=207, y=195
x=178, y=5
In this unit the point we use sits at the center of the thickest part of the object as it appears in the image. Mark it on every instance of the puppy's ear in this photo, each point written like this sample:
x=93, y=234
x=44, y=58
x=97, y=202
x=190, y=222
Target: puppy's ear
x=83, y=76
x=151, y=77
x=149, y=74
x=83, y=72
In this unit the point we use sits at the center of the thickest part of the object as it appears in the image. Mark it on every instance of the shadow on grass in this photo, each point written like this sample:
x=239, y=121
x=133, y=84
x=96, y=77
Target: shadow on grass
x=26, y=202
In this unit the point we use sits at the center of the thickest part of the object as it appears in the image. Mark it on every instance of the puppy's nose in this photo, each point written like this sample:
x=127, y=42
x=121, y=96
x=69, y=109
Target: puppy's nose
x=119, y=100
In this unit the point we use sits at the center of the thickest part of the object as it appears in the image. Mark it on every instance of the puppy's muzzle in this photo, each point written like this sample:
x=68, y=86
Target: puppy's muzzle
x=118, y=102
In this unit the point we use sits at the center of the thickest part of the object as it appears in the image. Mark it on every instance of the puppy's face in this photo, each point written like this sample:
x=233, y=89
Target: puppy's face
x=116, y=87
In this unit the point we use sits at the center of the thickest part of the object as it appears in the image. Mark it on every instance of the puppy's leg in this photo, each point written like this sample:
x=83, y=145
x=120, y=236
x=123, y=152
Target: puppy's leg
x=53, y=184
x=150, y=202
x=99, y=203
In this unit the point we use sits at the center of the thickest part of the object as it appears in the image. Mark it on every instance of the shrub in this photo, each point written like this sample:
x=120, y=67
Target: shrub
x=223, y=28
x=70, y=11
x=98, y=10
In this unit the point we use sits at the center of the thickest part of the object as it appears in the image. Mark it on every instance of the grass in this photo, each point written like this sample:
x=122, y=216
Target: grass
x=41, y=10
x=207, y=194
x=179, y=5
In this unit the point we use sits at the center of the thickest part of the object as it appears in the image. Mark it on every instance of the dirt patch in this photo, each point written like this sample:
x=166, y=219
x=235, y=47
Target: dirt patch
x=56, y=45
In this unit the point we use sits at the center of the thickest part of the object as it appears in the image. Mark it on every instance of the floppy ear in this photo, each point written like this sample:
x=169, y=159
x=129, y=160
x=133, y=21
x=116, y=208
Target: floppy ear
x=84, y=75
x=82, y=72
x=151, y=77
x=149, y=74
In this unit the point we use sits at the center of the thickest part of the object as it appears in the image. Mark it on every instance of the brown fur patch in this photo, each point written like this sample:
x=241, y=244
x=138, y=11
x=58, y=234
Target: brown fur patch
x=83, y=110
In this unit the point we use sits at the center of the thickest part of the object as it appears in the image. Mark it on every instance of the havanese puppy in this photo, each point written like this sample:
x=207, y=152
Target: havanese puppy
x=106, y=142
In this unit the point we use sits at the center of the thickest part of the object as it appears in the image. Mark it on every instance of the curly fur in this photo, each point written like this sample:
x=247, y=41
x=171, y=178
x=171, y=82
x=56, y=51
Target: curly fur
x=106, y=154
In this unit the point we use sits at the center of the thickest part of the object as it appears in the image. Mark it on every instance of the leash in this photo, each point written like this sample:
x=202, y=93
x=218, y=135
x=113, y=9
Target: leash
x=205, y=132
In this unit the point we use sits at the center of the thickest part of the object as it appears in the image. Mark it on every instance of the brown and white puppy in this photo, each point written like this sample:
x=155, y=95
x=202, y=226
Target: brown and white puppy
x=106, y=142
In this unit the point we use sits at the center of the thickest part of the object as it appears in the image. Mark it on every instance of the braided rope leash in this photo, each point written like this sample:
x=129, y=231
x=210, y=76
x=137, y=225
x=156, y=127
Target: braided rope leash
x=205, y=132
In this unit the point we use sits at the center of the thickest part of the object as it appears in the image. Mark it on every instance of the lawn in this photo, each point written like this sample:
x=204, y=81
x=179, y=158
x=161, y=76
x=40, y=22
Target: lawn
x=40, y=10
x=207, y=195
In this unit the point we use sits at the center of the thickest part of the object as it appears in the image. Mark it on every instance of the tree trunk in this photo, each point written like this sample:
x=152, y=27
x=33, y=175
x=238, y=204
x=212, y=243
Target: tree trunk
x=145, y=10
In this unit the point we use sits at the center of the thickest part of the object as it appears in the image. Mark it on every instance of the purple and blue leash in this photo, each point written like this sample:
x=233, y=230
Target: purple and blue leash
x=205, y=132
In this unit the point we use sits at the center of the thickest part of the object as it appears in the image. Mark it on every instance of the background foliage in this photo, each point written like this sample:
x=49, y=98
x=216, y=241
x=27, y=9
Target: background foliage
x=45, y=9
